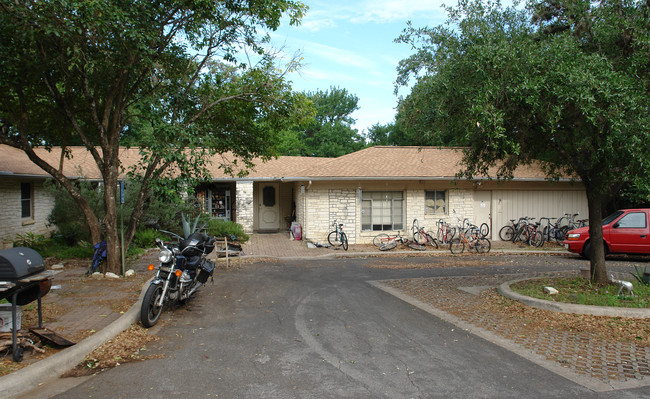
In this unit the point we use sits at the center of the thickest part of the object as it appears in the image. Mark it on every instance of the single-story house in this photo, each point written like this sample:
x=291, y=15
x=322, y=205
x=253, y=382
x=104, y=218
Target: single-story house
x=378, y=189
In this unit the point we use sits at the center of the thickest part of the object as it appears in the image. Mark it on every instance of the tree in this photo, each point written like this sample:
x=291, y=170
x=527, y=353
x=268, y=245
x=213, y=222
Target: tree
x=562, y=83
x=164, y=75
x=388, y=134
x=329, y=132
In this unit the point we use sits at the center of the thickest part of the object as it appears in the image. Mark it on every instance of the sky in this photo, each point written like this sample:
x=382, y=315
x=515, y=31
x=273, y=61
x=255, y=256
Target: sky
x=349, y=44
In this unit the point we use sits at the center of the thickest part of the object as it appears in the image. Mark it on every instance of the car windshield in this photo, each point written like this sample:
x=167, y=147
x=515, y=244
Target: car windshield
x=611, y=217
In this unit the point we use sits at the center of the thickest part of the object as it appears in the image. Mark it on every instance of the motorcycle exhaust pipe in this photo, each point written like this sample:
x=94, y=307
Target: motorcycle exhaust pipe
x=196, y=287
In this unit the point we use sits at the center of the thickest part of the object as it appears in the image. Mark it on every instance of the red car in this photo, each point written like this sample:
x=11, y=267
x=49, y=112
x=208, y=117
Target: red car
x=625, y=231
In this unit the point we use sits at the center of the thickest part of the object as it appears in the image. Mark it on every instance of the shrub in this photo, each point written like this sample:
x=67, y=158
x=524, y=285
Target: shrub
x=222, y=228
x=57, y=248
x=144, y=238
x=68, y=217
x=30, y=240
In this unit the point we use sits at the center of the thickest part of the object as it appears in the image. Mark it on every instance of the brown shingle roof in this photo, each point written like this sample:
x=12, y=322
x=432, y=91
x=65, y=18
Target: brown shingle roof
x=403, y=162
x=373, y=163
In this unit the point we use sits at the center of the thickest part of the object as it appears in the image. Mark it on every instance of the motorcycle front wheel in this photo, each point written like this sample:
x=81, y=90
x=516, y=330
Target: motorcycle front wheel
x=149, y=312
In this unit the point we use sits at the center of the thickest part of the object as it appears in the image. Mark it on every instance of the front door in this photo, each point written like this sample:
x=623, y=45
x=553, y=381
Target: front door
x=269, y=209
x=483, y=209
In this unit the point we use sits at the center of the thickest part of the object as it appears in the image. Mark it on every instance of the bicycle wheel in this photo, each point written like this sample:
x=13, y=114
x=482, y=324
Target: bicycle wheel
x=536, y=239
x=416, y=246
x=562, y=233
x=333, y=239
x=380, y=239
x=482, y=245
x=506, y=233
x=387, y=246
x=522, y=235
x=420, y=238
x=344, y=241
x=456, y=246
x=484, y=229
x=440, y=235
x=431, y=240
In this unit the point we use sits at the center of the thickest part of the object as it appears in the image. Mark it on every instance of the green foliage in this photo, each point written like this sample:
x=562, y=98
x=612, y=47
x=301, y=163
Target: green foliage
x=580, y=291
x=199, y=223
x=144, y=238
x=167, y=76
x=551, y=82
x=57, y=247
x=561, y=84
x=29, y=240
x=638, y=274
x=222, y=228
x=391, y=134
x=66, y=215
x=329, y=132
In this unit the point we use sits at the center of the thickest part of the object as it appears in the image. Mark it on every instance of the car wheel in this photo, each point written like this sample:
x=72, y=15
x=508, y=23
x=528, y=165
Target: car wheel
x=586, y=251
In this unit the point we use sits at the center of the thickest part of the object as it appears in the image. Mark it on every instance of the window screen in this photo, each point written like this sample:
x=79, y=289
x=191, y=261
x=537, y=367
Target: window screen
x=382, y=210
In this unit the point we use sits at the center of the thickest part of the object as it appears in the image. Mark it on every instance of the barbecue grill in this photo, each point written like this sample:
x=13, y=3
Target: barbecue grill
x=23, y=279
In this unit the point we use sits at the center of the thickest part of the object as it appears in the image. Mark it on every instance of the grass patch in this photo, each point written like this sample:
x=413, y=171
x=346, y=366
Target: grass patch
x=582, y=292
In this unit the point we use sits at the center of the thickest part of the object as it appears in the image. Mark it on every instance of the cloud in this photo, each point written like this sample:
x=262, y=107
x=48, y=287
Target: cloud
x=310, y=49
x=315, y=25
x=338, y=55
x=385, y=11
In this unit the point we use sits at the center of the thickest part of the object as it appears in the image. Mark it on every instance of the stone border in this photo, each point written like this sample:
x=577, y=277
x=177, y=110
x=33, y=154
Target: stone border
x=561, y=307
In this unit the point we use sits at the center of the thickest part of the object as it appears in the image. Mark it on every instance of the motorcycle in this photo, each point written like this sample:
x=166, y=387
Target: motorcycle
x=182, y=271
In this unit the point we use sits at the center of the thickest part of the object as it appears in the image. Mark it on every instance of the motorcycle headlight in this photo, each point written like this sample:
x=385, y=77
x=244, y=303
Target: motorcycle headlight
x=165, y=256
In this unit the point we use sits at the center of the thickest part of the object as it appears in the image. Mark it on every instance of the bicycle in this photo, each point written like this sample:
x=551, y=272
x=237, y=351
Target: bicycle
x=422, y=237
x=530, y=234
x=386, y=242
x=473, y=239
x=445, y=232
x=337, y=237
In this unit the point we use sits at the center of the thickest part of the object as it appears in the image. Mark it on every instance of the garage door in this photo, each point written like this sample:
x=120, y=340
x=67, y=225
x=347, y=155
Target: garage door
x=515, y=204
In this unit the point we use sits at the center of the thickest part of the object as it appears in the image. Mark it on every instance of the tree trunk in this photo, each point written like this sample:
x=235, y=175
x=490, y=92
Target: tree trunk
x=111, y=222
x=597, y=247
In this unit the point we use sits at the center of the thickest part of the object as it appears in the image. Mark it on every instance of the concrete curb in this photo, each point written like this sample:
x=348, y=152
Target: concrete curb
x=30, y=377
x=504, y=289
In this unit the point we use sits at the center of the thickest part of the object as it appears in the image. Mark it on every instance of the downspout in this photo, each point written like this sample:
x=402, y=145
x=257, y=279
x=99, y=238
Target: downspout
x=304, y=210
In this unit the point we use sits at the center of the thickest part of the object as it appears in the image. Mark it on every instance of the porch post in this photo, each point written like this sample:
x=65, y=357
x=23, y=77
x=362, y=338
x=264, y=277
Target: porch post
x=245, y=207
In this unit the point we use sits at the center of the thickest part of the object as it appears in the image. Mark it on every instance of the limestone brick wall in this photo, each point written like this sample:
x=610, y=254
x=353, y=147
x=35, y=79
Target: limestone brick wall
x=461, y=205
x=317, y=207
x=414, y=209
x=11, y=222
x=245, y=205
x=343, y=209
x=324, y=205
x=458, y=200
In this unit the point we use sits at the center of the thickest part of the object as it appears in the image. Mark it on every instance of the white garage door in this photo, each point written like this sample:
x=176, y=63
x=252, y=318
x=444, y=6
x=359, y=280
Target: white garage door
x=513, y=204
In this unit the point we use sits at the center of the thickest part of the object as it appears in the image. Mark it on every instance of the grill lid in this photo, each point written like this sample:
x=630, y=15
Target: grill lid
x=16, y=263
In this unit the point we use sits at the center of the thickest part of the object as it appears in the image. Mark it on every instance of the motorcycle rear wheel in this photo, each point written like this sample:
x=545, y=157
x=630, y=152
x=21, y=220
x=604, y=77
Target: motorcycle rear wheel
x=149, y=312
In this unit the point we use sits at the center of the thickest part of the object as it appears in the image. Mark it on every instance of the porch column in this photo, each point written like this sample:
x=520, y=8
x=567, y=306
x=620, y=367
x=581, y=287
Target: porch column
x=245, y=207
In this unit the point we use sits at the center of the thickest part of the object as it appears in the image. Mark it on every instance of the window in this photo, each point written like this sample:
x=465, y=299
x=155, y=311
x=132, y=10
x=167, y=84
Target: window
x=268, y=196
x=382, y=210
x=634, y=220
x=26, y=200
x=435, y=202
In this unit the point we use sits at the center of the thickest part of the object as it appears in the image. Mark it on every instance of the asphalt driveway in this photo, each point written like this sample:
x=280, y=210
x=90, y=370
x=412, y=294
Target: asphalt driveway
x=320, y=329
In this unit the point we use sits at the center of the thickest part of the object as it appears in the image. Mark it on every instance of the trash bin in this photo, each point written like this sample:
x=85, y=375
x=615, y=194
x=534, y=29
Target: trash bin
x=296, y=230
